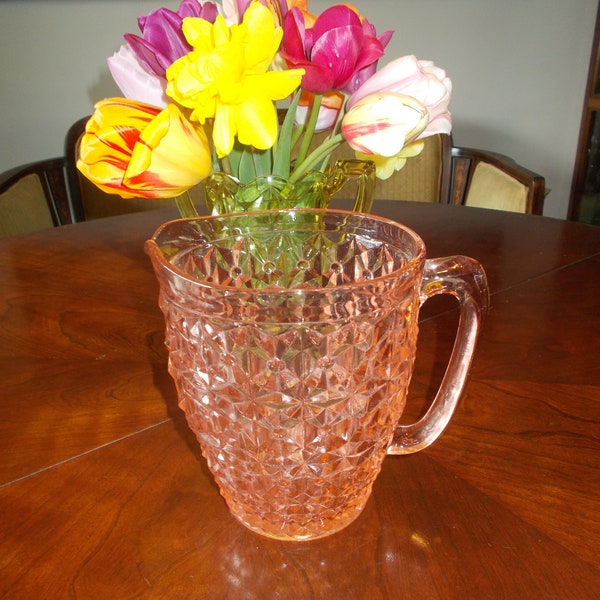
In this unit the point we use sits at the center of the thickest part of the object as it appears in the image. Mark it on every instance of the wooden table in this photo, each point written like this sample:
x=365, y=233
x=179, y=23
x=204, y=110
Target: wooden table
x=104, y=493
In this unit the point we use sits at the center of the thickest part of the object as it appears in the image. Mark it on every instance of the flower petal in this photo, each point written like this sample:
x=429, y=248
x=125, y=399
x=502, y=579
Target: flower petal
x=137, y=150
x=134, y=81
x=170, y=156
x=419, y=79
x=384, y=123
x=256, y=123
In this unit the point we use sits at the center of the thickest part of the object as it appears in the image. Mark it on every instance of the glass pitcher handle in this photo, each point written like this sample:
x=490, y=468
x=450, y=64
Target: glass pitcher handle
x=363, y=171
x=464, y=278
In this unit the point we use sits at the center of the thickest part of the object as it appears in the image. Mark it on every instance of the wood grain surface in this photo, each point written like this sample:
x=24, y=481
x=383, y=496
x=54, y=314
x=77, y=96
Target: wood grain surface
x=104, y=492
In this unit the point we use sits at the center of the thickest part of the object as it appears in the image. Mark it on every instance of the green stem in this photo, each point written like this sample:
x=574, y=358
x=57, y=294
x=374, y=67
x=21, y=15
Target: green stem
x=185, y=205
x=338, y=123
x=310, y=128
x=225, y=165
x=296, y=135
x=325, y=148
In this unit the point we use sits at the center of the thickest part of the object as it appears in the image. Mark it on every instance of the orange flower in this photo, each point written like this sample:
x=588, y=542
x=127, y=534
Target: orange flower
x=138, y=150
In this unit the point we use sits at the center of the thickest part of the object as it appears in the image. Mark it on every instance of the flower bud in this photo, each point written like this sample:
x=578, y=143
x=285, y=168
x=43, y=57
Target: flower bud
x=383, y=123
x=139, y=151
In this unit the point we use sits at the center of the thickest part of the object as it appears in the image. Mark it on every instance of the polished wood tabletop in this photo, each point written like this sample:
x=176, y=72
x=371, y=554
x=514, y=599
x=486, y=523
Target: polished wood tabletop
x=104, y=492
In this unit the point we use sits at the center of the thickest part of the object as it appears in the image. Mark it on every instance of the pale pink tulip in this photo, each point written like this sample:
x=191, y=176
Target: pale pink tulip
x=135, y=82
x=383, y=123
x=420, y=79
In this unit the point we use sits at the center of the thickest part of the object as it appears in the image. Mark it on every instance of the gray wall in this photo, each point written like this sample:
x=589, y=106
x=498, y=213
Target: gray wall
x=519, y=70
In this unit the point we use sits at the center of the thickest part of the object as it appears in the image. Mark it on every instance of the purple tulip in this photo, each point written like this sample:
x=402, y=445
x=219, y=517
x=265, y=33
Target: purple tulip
x=363, y=74
x=234, y=10
x=162, y=41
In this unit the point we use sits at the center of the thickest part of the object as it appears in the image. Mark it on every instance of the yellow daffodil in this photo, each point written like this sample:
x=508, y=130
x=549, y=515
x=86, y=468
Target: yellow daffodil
x=137, y=150
x=386, y=166
x=226, y=78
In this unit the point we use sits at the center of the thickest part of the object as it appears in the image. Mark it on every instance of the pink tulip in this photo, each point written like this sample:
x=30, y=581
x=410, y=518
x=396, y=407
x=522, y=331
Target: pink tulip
x=335, y=51
x=420, y=79
x=383, y=123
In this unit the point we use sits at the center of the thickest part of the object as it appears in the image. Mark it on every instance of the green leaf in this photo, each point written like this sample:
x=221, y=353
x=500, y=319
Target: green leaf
x=233, y=160
x=246, y=170
x=262, y=162
x=283, y=149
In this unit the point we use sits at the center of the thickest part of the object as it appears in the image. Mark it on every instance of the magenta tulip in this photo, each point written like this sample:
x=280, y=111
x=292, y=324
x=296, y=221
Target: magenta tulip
x=335, y=51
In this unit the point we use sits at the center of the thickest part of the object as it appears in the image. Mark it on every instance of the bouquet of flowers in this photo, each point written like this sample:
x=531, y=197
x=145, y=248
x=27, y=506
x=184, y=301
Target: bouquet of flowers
x=202, y=85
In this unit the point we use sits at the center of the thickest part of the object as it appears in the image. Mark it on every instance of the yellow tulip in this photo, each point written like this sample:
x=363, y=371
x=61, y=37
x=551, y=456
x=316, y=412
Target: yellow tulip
x=226, y=78
x=137, y=150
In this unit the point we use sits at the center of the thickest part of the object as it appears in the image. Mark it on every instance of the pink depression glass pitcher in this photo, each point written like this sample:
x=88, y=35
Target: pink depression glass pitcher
x=292, y=338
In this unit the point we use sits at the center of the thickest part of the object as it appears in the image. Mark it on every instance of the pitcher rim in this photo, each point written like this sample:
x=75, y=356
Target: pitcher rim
x=152, y=247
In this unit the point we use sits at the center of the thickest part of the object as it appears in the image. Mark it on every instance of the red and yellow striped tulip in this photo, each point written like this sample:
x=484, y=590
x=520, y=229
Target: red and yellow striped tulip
x=140, y=151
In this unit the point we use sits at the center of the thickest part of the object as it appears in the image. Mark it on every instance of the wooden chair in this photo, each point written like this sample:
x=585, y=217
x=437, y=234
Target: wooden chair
x=424, y=178
x=34, y=197
x=490, y=180
x=448, y=174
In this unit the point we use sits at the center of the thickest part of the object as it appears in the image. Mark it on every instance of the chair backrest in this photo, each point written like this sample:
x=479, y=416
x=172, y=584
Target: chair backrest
x=34, y=197
x=490, y=180
x=424, y=178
